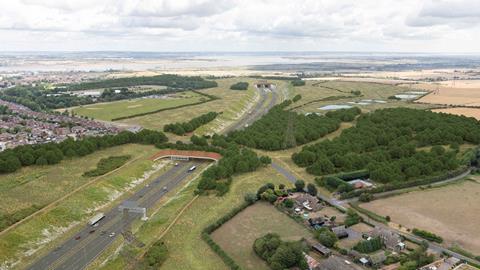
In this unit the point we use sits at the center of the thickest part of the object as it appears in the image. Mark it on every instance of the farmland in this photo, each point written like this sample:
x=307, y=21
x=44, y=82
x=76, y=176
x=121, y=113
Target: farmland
x=469, y=95
x=232, y=103
x=236, y=236
x=316, y=94
x=468, y=112
x=123, y=108
x=186, y=248
x=450, y=211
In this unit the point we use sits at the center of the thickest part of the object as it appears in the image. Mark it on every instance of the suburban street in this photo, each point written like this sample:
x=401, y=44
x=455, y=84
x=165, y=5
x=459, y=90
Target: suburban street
x=91, y=241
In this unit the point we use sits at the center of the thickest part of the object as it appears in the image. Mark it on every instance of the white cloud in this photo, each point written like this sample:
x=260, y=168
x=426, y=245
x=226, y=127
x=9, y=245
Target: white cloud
x=168, y=25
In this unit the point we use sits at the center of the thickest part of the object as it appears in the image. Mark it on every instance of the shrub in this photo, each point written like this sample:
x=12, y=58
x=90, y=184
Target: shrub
x=106, y=165
x=427, y=235
x=239, y=86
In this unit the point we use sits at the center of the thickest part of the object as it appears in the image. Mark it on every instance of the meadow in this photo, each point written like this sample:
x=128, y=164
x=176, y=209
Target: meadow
x=231, y=102
x=316, y=94
x=237, y=235
x=450, y=211
x=124, y=108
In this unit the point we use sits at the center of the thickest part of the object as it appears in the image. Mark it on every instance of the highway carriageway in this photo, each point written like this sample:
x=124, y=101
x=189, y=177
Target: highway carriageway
x=80, y=250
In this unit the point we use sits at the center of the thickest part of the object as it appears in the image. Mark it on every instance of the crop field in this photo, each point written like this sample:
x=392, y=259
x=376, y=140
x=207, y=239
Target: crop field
x=186, y=248
x=450, y=211
x=30, y=239
x=461, y=94
x=316, y=94
x=231, y=103
x=122, y=108
x=468, y=112
x=237, y=236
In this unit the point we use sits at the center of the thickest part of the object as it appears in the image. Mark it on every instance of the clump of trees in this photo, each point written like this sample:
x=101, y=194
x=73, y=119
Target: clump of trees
x=352, y=218
x=416, y=259
x=369, y=246
x=239, y=86
x=52, y=153
x=155, y=256
x=326, y=237
x=385, y=143
x=282, y=129
x=106, y=165
x=298, y=82
x=190, y=126
x=344, y=115
x=280, y=254
x=269, y=193
x=235, y=160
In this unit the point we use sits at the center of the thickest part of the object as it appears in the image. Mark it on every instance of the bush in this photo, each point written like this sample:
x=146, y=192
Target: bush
x=190, y=126
x=279, y=254
x=298, y=82
x=250, y=198
x=352, y=218
x=155, y=256
x=311, y=189
x=288, y=203
x=106, y=165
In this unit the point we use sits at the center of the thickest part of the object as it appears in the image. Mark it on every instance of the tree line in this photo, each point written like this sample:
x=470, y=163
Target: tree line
x=180, y=128
x=386, y=143
x=52, y=153
x=169, y=80
x=282, y=129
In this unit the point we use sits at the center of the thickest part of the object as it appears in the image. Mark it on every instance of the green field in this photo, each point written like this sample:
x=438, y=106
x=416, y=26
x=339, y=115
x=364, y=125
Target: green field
x=46, y=184
x=123, y=108
x=186, y=248
x=231, y=103
x=237, y=236
x=340, y=93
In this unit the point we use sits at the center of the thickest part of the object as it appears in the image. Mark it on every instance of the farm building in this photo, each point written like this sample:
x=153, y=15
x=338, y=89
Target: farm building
x=340, y=232
x=391, y=239
x=323, y=250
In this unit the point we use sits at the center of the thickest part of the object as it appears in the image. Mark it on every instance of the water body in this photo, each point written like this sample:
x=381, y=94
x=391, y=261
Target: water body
x=334, y=107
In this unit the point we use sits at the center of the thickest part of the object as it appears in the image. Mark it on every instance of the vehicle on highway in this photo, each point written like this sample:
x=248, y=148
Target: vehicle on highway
x=92, y=231
x=176, y=163
x=78, y=237
x=112, y=234
x=165, y=188
x=191, y=169
x=94, y=220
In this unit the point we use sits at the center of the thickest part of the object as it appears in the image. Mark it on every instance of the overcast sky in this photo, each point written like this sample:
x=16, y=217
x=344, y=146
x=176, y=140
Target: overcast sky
x=243, y=25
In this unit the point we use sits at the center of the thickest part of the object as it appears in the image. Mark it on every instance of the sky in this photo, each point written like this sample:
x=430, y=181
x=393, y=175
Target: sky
x=448, y=26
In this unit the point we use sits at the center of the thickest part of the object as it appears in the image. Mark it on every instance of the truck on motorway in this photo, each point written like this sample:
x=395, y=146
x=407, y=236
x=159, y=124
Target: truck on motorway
x=192, y=168
x=94, y=220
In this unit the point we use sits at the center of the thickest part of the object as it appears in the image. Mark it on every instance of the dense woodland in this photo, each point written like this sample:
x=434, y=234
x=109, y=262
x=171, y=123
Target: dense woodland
x=280, y=254
x=386, y=143
x=235, y=160
x=52, y=153
x=190, y=126
x=281, y=129
x=239, y=86
x=172, y=81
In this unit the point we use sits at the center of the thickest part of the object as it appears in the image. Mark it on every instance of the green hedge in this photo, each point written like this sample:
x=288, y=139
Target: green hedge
x=212, y=227
x=368, y=213
x=402, y=185
x=427, y=235
x=106, y=165
x=211, y=97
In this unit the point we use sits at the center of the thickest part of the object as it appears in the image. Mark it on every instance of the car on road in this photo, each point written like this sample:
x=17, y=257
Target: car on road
x=191, y=169
x=176, y=163
x=91, y=231
x=78, y=237
x=165, y=188
x=112, y=234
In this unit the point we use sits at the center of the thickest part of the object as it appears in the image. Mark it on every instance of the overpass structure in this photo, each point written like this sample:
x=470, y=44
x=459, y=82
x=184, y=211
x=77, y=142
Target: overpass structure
x=186, y=155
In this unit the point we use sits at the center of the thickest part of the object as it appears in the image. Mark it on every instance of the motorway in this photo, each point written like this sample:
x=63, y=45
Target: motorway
x=260, y=108
x=86, y=245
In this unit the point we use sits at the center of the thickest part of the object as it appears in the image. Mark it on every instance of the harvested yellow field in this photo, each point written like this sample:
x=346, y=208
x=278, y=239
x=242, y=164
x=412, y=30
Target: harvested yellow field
x=450, y=211
x=469, y=112
x=448, y=95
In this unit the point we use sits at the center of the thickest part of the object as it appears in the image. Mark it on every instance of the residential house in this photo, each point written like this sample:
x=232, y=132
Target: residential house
x=323, y=250
x=340, y=232
x=392, y=240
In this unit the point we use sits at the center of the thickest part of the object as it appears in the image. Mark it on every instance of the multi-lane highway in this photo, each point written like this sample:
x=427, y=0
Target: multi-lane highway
x=86, y=245
x=260, y=108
